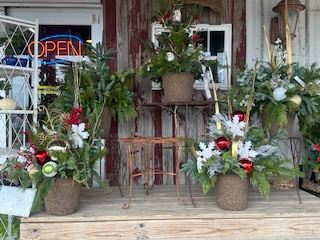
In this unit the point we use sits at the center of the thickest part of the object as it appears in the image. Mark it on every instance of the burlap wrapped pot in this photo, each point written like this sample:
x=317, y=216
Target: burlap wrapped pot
x=63, y=197
x=232, y=192
x=178, y=87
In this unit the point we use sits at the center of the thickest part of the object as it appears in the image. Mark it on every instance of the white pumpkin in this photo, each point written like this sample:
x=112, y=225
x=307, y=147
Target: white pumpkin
x=8, y=104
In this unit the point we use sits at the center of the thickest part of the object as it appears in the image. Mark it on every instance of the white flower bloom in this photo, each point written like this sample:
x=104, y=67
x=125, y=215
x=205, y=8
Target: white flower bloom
x=79, y=134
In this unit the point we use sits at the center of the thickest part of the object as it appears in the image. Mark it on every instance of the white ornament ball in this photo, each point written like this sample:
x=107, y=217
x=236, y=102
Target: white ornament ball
x=170, y=56
x=279, y=93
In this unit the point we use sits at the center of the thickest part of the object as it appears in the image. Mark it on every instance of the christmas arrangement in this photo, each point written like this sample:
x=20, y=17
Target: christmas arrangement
x=177, y=49
x=236, y=145
x=283, y=88
x=62, y=145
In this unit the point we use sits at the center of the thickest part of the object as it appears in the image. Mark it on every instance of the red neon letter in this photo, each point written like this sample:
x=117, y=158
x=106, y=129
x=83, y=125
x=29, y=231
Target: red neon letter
x=74, y=50
x=61, y=46
x=48, y=49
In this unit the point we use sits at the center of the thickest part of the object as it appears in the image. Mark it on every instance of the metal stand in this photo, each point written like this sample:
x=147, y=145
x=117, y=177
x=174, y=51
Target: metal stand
x=133, y=144
x=294, y=144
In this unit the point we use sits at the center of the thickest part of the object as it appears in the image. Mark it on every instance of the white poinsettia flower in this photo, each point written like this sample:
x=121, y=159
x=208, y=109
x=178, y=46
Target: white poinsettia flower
x=79, y=134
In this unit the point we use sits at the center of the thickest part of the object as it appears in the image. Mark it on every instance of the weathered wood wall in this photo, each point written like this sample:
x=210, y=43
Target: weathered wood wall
x=129, y=24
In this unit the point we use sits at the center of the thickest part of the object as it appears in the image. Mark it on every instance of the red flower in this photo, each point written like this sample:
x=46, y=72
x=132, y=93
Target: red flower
x=317, y=147
x=318, y=159
x=196, y=17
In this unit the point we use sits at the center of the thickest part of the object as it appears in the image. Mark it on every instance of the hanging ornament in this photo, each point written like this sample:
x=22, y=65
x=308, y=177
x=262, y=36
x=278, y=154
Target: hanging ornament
x=296, y=99
x=42, y=156
x=279, y=94
x=170, y=56
x=246, y=164
x=49, y=169
x=33, y=171
x=242, y=116
x=177, y=16
x=222, y=143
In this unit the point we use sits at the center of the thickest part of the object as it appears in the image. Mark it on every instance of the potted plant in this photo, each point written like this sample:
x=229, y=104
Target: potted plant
x=63, y=150
x=176, y=57
x=282, y=91
x=100, y=88
x=235, y=152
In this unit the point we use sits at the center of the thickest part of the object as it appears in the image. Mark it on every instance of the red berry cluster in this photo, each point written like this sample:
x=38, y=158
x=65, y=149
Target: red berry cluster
x=75, y=116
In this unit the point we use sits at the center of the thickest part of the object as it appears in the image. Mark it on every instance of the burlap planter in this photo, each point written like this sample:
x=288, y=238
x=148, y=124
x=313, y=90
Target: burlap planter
x=63, y=197
x=275, y=128
x=232, y=192
x=178, y=87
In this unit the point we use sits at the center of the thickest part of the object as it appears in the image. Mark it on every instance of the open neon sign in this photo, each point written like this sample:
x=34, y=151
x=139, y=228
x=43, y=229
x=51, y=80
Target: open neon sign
x=58, y=45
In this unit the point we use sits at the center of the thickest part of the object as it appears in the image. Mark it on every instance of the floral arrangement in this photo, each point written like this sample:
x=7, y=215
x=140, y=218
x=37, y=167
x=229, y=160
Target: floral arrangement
x=282, y=88
x=234, y=147
x=64, y=143
x=60, y=147
x=177, y=49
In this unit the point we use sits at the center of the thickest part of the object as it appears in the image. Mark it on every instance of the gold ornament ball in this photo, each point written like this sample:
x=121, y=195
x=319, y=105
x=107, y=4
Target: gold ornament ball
x=296, y=99
x=33, y=171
